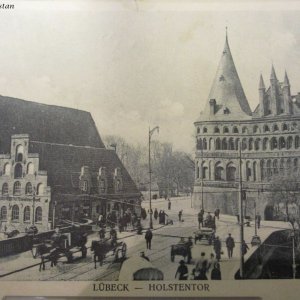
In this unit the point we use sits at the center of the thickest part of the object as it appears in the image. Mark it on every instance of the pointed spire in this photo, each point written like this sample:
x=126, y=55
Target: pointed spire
x=227, y=89
x=273, y=74
x=261, y=83
x=286, y=80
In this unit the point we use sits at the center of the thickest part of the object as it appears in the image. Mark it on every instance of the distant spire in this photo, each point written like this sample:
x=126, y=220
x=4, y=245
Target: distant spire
x=226, y=34
x=261, y=83
x=286, y=79
x=273, y=74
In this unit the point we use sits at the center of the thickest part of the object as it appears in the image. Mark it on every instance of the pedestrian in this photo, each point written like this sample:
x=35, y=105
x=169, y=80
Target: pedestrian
x=42, y=264
x=189, y=245
x=211, y=262
x=200, y=220
x=201, y=274
x=100, y=220
x=216, y=272
x=148, y=238
x=169, y=204
x=244, y=248
x=113, y=236
x=217, y=248
x=155, y=214
x=164, y=215
x=182, y=271
x=102, y=233
x=144, y=256
x=217, y=213
x=258, y=219
x=230, y=245
x=199, y=265
x=180, y=215
x=160, y=217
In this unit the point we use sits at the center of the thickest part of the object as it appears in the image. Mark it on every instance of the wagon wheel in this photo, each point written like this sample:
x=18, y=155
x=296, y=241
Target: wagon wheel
x=35, y=251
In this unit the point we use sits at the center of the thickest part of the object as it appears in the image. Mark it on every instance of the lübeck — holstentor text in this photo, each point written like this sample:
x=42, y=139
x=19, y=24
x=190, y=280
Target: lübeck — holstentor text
x=7, y=6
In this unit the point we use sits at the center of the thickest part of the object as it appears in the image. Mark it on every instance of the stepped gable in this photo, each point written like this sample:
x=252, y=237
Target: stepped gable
x=227, y=91
x=63, y=165
x=47, y=123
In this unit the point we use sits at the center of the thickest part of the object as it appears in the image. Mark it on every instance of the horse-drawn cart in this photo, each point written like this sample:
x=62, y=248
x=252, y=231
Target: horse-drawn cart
x=182, y=249
x=60, y=244
x=204, y=233
x=103, y=247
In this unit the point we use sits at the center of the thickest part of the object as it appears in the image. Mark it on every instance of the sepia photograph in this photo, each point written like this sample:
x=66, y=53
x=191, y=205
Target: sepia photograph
x=143, y=143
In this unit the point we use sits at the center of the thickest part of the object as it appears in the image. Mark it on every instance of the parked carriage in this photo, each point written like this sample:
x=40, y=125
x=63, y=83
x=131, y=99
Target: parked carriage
x=204, y=233
x=103, y=247
x=61, y=244
x=182, y=249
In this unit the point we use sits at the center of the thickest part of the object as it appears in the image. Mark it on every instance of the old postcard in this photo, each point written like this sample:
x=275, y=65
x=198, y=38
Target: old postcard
x=143, y=143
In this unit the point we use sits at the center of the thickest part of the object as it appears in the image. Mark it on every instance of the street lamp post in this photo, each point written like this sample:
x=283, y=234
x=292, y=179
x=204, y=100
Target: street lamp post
x=33, y=207
x=241, y=217
x=150, y=171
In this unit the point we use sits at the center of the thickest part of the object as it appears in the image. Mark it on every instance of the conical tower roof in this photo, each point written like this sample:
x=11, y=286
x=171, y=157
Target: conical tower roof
x=227, y=90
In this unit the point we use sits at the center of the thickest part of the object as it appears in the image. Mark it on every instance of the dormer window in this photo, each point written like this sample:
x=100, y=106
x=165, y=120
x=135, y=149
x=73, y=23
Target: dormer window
x=222, y=78
x=118, y=183
x=85, y=185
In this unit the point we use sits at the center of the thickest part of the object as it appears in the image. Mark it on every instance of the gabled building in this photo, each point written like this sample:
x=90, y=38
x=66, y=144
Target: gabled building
x=55, y=167
x=268, y=138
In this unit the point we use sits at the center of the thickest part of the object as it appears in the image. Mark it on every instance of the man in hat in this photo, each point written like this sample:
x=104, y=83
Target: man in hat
x=148, y=238
x=189, y=245
x=182, y=270
x=230, y=245
x=217, y=248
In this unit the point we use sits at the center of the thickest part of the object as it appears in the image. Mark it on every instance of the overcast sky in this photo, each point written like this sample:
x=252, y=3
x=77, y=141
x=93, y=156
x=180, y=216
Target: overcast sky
x=143, y=63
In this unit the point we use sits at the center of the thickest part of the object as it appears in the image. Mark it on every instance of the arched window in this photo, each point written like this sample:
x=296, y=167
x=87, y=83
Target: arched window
x=275, y=166
x=211, y=144
x=204, y=130
x=295, y=164
x=248, y=170
x=198, y=129
x=15, y=213
x=265, y=143
x=40, y=188
x=281, y=142
x=199, y=144
x=257, y=144
x=244, y=144
x=225, y=130
x=294, y=126
x=288, y=164
x=235, y=130
x=30, y=168
x=18, y=171
x=19, y=153
x=216, y=130
x=5, y=188
x=3, y=213
x=38, y=214
x=254, y=170
x=231, y=144
x=289, y=142
x=26, y=214
x=262, y=169
x=204, y=171
x=218, y=144
x=204, y=144
x=251, y=144
x=269, y=168
x=197, y=171
x=230, y=172
x=28, y=188
x=244, y=129
x=274, y=143
x=275, y=127
x=281, y=165
x=237, y=144
x=224, y=144
x=266, y=128
x=6, y=169
x=297, y=142
x=284, y=127
x=255, y=129
x=219, y=172
x=17, y=188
